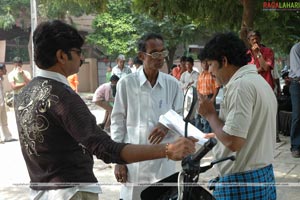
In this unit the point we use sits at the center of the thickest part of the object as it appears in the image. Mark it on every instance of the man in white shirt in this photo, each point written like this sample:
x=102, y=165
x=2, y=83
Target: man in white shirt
x=120, y=69
x=141, y=98
x=189, y=77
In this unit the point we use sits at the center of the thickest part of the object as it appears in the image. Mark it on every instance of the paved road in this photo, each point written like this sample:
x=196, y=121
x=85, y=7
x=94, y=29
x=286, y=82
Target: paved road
x=14, y=178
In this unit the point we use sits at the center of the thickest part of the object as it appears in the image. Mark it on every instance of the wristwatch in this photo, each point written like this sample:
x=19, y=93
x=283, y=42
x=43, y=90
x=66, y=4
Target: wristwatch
x=259, y=55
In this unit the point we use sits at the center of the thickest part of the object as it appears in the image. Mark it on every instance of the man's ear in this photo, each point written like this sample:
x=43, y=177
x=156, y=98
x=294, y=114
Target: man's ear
x=61, y=56
x=224, y=61
x=141, y=55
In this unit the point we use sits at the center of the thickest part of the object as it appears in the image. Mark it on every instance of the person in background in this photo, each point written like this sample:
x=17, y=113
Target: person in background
x=4, y=130
x=18, y=77
x=246, y=124
x=261, y=56
x=104, y=97
x=277, y=92
x=178, y=70
x=171, y=69
x=137, y=63
x=120, y=69
x=284, y=104
x=276, y=77
x=131, y=65
x=142, y=97
x=294, y=76
x=59, y=135
x=108, y=73
x=207, y=87
x=73, y=81
x=189, y=77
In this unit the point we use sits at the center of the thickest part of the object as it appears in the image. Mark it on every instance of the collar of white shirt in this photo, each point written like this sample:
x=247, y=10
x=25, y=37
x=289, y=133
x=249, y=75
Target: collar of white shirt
x=53, y=75
x=143, y=79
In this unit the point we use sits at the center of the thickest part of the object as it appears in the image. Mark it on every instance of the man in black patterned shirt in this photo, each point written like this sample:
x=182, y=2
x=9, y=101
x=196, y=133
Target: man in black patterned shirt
x=58, y=134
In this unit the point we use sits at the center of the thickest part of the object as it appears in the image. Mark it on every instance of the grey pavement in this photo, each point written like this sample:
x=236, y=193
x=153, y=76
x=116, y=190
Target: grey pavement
x=14, y=178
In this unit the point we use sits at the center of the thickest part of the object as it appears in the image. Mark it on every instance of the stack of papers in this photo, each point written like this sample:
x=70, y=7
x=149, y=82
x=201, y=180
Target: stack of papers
x=174, y=122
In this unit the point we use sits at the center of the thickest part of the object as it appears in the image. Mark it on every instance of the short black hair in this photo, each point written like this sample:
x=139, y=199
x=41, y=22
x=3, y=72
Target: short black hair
x=148, y=36
x=190, y=59
x=114, y=78
x=136, y=60
x=51, y=36
x=2, y=65
x=227, y=45
x=183, y=58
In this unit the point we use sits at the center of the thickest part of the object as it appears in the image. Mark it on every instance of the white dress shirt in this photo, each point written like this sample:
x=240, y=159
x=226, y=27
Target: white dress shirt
x=136, y=111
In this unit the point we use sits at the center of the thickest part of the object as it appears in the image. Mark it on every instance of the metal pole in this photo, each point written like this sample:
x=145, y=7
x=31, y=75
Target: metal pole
x=33, y=26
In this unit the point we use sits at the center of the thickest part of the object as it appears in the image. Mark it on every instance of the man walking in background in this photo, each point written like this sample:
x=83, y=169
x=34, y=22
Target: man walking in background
x=4, y=131
x=120, y=69
x=295, y=97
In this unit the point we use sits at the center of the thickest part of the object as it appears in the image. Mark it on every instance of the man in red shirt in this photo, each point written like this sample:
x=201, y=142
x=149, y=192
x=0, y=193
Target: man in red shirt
x=177, y=71
x=261, y=56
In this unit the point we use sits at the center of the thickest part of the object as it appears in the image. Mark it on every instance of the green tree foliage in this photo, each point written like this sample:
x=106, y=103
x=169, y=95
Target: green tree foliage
x=280, y=29
x=115, y=30
x=118, y=29
x=52, y=9
x=10, y=10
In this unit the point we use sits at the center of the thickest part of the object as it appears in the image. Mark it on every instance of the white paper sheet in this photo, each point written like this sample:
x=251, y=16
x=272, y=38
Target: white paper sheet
x=174, y=121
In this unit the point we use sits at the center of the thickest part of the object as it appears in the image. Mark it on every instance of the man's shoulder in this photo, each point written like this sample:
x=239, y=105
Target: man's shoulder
x=168, y=78
x=265, y=49
x=11, y=73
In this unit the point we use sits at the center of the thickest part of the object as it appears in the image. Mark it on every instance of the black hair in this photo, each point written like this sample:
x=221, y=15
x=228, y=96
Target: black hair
x=190, y=59
x=145, y=38
x=183, y=58
x=2, y=65
x=136, y=60
x=114, y=78
x=51, y=36
x=226, y=45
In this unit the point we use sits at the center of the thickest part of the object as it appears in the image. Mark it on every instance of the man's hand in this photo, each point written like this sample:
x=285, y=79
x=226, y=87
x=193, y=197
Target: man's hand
x=181, y=148
x=255, y=48
x=206, y=106
x=209, y=135
x=158, y=134
x=121, y=173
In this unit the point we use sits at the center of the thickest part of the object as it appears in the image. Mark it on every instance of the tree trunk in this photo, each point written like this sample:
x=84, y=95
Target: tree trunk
x=170, y=58
x=247, y=19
